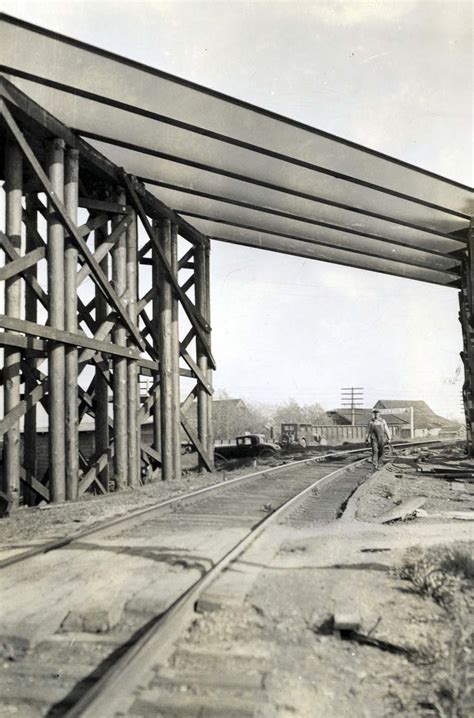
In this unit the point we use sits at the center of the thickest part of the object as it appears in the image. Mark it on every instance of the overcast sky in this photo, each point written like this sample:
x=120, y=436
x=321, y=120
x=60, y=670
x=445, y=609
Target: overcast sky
x=394, y=76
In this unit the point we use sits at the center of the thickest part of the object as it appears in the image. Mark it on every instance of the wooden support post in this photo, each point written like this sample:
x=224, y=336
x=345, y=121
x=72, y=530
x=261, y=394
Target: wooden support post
x=210, y=422
x=464, y=320
x=201, y=304
x=173, y=260
x=468, y=282
x=31, y=315
x=132, y=367
x=56, y=355
x=119, y=280
x=12, y=357
x=166, y=359
x=101, y=387
x=156, y=411
x=71, y=197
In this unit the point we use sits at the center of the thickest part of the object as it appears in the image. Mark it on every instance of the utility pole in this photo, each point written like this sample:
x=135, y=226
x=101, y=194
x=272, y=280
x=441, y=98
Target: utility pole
x=352, y=396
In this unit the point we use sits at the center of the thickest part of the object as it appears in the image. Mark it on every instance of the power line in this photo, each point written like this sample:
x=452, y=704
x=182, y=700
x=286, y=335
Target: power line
x=352, y=397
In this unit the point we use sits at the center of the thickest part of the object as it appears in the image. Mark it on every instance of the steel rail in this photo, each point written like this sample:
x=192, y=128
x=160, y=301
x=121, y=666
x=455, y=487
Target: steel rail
x=134, y=516
x=109, y=694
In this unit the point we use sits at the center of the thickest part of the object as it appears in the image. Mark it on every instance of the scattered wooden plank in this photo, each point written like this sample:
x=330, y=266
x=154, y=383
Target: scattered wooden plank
x=378, y=643
x=443, y=469
x=451, y=476
x=404, y=511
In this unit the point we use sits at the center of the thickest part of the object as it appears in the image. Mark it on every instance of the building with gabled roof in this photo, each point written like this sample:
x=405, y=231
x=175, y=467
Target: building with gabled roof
x=426, y=422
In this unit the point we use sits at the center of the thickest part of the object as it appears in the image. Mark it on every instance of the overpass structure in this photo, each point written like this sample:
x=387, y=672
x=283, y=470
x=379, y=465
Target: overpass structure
x=117, y=180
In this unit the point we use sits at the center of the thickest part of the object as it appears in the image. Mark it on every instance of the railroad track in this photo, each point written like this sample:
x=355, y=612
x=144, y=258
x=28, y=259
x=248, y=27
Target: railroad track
x=111, y=525
x=200, y=534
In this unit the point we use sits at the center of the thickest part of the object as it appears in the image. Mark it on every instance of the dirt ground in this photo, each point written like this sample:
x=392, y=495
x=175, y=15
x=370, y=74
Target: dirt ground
x=408, y=584
x=405, y=588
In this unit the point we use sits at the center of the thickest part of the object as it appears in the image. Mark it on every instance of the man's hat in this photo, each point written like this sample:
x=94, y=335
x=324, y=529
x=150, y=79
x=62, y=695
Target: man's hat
x=375, y=411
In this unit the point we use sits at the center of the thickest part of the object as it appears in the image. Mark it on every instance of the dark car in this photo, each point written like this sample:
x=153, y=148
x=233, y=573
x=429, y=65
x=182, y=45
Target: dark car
x=249, y=445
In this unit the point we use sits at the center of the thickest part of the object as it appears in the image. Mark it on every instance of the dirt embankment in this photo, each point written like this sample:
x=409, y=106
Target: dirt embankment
x=404, y=587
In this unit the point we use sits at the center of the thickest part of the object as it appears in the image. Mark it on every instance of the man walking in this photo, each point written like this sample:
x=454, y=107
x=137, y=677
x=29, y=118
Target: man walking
x=378, y=434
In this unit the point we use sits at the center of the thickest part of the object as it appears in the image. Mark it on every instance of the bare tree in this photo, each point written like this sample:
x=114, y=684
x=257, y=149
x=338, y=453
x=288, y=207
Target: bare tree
x=292, y=413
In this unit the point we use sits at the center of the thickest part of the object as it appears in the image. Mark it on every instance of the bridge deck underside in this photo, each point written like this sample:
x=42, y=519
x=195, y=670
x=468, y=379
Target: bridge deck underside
x=242, y=174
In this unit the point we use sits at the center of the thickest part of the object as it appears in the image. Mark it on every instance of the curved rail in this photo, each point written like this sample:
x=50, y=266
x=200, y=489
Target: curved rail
x=108, y=695
x=112, y=691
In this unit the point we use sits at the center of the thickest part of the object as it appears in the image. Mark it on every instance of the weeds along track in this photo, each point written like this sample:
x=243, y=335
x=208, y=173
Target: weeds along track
x=85, y=616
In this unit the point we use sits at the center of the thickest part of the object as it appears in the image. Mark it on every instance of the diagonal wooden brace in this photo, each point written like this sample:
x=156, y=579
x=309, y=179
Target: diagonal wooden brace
x=102, y=281
x=105, y=247
x=195, y=440
x=198, y=322
x=22, y=263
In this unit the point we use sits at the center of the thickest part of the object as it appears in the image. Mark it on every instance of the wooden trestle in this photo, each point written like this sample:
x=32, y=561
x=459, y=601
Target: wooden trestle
x=94, y=302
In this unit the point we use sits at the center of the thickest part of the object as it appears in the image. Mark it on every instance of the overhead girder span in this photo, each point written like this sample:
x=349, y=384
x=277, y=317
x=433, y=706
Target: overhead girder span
x=82, y=69
x=308, y=250
x=295, y=228
x=240, y=191
x=309, y=227
x=91, y=115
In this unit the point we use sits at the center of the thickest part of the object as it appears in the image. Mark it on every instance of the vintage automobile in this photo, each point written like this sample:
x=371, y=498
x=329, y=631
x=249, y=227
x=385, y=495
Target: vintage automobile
x=248, y=445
